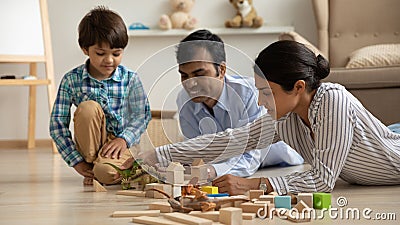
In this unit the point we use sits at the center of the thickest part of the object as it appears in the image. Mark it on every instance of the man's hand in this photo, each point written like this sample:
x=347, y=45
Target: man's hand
x=235, y=185
x=114, y=148
x=86, y=170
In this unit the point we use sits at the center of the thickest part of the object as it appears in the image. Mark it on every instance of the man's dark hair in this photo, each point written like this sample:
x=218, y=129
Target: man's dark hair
x=102, y=25
x=201, y=39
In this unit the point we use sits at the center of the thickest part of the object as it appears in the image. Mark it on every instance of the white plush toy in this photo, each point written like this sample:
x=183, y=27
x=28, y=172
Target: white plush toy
x=180, y=17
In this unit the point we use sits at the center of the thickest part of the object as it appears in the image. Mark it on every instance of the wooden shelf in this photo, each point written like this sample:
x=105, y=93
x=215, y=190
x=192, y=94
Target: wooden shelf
x=154, y=32
x=21, y=82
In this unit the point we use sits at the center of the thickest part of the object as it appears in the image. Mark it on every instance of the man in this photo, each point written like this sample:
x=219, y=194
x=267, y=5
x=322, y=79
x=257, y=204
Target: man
x=212, y=102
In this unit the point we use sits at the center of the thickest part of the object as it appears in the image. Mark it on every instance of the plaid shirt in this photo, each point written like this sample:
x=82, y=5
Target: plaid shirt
x=121, y=97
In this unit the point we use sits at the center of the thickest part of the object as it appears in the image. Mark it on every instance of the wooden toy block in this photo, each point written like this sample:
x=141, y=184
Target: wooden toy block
x=228, y=204
x=97, y=187
x=255, y=194
x=167, y=188
x=262, y=202
x=201, y=172
x=321, y=200
x=210, y=189
x=148, y=220
x=297, y=217
x=187, y=219
x=176, y=191
x=131, y=193
x=268, y=198
x=249, y=207
x=300, y=206
x=282, y=202
x=231, y=216
x=198, y=162
x=175, y=173
x=211, y=215
x=248, y=216
x=154, y=213
x=164, y=207
x=307, y=198
x=273, y=193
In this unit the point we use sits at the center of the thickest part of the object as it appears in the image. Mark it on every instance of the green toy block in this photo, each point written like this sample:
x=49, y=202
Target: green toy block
x=282, y=202
x=322, y=200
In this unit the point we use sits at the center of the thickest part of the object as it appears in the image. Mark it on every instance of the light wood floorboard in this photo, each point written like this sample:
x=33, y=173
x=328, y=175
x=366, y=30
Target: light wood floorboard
x=37, y=187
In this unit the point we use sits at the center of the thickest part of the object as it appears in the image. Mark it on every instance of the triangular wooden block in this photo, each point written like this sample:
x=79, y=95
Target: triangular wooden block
x=98, y=187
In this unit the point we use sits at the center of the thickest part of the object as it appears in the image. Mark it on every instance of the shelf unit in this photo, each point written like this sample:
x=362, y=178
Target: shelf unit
x=217, y=30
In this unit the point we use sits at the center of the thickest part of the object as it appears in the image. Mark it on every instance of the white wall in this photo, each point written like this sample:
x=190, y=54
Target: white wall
x=64, y=19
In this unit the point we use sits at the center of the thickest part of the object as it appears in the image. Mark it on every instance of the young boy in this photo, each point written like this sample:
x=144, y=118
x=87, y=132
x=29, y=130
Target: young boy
x=112, y=108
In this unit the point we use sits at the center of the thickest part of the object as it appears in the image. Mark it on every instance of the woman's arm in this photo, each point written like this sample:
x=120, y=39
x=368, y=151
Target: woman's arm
x=220, y=146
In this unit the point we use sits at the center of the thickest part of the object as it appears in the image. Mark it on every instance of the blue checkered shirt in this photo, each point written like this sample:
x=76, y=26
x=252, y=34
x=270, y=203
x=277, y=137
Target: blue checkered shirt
x=121, y=97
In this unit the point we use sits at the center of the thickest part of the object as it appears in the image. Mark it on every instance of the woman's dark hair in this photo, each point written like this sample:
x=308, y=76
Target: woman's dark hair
x=285, y=62
x=201, y=39
x=102, y=25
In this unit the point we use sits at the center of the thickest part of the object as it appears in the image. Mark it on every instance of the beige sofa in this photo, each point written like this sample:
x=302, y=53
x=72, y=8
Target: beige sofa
x=348, y=25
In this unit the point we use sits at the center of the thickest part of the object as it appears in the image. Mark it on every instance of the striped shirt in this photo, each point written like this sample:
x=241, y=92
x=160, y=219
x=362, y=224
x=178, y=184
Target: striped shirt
x=121, y=97
x=347, y=142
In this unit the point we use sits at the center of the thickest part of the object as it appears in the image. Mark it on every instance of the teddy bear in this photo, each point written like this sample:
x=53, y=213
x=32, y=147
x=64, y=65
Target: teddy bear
x=180, y=17
x=246, y=15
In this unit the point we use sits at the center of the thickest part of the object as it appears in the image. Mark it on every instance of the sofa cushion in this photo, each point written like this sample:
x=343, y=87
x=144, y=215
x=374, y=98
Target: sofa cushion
x=375, y=56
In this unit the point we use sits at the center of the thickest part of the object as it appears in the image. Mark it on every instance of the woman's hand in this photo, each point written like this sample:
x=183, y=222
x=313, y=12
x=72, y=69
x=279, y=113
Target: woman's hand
x=235, y=185
x=114, y=148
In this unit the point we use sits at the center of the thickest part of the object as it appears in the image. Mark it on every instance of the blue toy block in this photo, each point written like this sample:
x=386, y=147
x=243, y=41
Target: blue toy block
x=282, y=202
x=322, y=200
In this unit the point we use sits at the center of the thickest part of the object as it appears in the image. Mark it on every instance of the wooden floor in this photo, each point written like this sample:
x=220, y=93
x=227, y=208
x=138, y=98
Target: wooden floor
x=37, y=187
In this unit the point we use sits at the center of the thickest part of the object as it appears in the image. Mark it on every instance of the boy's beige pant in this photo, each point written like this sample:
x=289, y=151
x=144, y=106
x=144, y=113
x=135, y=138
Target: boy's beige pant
x=91, y=135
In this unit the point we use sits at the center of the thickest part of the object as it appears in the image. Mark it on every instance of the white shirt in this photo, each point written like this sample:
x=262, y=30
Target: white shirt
x=236, y=106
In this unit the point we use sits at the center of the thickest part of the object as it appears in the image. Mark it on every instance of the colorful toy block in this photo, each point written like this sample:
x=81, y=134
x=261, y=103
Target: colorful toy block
x=282, y=202
x=322, y=200
x=210, y=189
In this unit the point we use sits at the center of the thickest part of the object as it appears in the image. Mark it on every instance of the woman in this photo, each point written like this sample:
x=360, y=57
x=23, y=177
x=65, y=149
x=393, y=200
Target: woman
x=327, y=125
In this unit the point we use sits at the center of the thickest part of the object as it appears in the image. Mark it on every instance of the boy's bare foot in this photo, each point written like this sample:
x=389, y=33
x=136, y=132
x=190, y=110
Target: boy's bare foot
x=87, y=181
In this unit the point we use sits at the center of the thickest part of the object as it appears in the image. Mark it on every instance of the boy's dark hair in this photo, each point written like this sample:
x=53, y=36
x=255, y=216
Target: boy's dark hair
x=286, y=62
x=102, y=25
x=201, y=39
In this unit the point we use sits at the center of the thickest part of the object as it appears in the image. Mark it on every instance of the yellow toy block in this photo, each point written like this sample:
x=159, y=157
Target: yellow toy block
x=210, y=189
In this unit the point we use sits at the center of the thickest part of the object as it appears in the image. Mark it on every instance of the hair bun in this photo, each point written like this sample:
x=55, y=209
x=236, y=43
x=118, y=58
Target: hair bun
x=323, y=68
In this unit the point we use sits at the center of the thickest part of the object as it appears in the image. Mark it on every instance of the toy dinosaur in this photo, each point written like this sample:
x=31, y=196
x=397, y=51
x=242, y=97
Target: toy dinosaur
x=139, y=172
